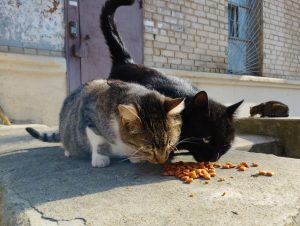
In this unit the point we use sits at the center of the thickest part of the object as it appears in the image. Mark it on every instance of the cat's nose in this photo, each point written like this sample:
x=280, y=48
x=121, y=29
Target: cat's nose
x=161, y=159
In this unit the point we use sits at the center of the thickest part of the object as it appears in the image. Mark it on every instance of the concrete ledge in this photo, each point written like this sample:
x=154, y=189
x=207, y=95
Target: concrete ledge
x=42, y=187
x=39, y=186
x=32, y=88
x=229, y=79
x=286, y=130
x=258, y=144
x=229, y=89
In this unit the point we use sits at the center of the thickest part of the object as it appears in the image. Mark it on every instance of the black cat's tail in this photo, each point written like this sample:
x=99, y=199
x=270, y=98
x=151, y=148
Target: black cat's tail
x=118, y=52
x=51, y=138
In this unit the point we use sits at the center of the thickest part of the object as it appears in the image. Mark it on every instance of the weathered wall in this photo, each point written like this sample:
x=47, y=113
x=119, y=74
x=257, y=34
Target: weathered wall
x=32, y=88
x=281, y=35
x=27, y=25
x=187, y=35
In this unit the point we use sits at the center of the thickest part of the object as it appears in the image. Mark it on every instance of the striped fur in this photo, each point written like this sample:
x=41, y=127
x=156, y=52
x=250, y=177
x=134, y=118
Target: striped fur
x=123, y=119
x=45, y=137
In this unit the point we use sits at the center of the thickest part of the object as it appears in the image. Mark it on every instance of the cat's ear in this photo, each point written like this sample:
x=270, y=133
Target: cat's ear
x=200, y=102
x=128, y=113
x=174, y=106
x=231, y=109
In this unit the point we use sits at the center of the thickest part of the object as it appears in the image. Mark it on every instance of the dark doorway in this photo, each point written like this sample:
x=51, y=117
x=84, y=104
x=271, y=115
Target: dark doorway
x=87, y=54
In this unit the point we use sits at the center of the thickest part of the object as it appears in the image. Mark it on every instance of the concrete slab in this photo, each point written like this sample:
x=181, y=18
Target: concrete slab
x=41, y=187
x=286, y=130
x=14, y=138
x=258, y=143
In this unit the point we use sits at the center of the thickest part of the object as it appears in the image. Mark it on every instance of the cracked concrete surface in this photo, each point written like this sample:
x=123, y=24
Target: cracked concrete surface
x=39, y=186
x=42, y=187
x=16, y=210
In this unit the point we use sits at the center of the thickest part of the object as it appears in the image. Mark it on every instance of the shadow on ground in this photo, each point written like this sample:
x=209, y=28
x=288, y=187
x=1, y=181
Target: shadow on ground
x=45, y=174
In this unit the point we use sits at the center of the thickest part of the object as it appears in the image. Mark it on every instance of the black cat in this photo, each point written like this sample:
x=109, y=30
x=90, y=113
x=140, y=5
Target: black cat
x=207, y=131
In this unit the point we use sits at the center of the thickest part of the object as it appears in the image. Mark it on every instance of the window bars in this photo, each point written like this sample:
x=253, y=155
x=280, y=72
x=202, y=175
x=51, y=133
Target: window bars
x=245, y=37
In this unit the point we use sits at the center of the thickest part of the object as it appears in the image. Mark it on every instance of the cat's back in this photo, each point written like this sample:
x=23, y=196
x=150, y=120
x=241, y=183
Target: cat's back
x=275, y=104
x=276, y=109
x=70, y=102
x=153, y=79
x=114, y=92
x=74, y=102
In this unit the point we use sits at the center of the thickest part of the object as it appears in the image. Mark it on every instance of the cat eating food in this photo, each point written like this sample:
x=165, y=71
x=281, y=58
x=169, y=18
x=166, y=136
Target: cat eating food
x=207, y=129
x=103, y=118
x=270, y=109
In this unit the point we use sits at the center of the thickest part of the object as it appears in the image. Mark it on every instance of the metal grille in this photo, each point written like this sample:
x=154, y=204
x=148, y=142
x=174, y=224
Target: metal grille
x=245, y=37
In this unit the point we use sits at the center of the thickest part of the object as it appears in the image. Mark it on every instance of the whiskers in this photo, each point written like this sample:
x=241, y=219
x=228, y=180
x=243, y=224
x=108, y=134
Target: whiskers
x=192, y=140
x=134, y=156
x=174, y=148
x=137, y=158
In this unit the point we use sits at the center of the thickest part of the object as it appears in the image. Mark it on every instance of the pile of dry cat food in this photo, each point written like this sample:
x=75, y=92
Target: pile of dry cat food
x=188, y=171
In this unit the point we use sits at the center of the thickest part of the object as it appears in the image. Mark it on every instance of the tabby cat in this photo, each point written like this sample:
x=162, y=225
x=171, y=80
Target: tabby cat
x=270, y=109
x=207, y=130
x=105, y=118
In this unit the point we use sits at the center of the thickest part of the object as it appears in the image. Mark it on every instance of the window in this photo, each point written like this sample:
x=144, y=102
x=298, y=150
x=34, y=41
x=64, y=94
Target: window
x=233, y=23
x=244, y=37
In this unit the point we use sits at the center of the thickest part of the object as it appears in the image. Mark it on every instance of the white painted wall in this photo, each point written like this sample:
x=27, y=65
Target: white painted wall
x=32, y=88
x=229, y=89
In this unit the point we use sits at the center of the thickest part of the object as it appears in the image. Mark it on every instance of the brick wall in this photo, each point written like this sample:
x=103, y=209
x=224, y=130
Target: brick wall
x=281, y=35
x=186, y=35
x=31, y=51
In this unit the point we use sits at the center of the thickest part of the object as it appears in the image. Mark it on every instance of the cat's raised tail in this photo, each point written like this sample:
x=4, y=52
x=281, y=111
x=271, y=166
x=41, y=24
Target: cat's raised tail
x=45, y=137
x=118, y=51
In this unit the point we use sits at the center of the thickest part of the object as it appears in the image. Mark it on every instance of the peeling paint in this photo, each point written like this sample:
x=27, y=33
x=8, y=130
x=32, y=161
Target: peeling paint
x=54, y=7
x=32, y=24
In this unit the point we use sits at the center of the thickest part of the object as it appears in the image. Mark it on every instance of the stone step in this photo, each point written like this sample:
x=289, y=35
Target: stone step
x=286, y=130
x=257, y=143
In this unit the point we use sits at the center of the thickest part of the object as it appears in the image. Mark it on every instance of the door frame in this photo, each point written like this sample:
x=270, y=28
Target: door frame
x=73, y=63
x=72, y=13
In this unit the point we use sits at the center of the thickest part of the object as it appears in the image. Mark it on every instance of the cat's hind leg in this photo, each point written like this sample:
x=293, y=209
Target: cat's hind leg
x=98, y=160
x=66, y=152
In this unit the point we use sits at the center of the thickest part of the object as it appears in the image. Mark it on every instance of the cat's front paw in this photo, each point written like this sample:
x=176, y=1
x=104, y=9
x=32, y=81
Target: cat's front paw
x=100, y=161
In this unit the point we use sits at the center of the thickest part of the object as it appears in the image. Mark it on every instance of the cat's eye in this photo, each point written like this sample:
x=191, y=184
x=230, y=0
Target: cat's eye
x=206, y=140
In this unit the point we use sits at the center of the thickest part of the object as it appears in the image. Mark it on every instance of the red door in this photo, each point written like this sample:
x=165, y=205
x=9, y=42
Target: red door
x=87, y=53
